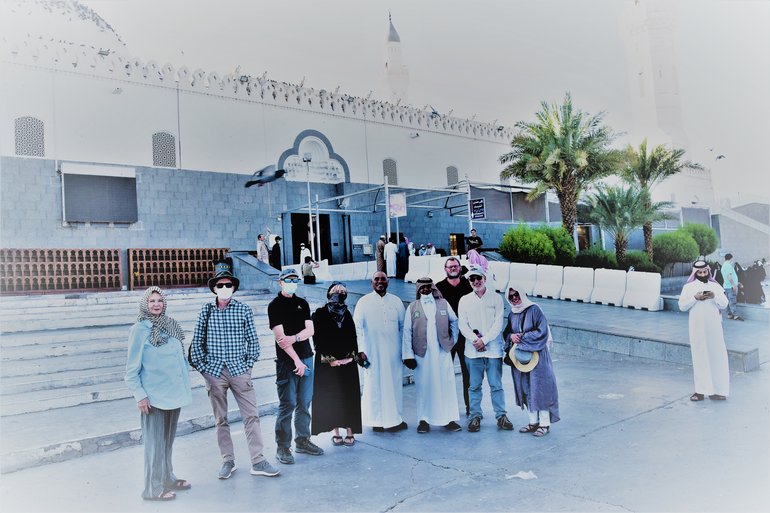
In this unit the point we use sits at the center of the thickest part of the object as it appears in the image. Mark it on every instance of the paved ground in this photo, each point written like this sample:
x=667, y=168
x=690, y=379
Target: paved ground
x=629, y=440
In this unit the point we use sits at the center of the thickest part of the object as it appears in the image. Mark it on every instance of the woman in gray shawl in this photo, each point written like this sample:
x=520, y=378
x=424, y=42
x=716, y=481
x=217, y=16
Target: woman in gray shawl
x=158, y=376
x=533, y=377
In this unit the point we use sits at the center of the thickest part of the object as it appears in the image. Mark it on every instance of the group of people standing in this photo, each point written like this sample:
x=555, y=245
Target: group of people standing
x=380, y=335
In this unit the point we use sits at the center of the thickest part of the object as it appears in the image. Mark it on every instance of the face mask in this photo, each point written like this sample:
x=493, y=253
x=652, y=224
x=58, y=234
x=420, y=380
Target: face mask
x=224, y=294
x=290, y=288
x=337, y=298
x=426, y=293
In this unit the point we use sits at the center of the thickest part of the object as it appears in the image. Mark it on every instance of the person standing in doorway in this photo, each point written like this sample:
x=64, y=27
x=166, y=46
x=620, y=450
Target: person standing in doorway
x=275, y=255
x=304, y=252
x=391, y=253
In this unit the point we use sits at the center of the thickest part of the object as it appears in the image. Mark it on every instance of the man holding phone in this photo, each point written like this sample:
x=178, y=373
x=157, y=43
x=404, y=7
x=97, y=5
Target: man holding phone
x=703, y=297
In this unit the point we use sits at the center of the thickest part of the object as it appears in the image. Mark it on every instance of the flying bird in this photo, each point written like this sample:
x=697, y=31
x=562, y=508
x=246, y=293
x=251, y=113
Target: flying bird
x=721, y=157
x=265, y=175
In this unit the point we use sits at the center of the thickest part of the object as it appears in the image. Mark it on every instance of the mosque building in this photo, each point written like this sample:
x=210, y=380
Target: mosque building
x=104, y=153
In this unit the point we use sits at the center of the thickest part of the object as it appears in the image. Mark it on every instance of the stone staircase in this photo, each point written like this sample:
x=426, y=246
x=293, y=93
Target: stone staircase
x=62, y=363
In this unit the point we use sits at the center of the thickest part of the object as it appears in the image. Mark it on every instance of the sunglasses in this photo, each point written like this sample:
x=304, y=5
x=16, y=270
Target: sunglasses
x=340, y=283
x=224, y=285
x=514, y=294
x=290, y=280
x=475, y=278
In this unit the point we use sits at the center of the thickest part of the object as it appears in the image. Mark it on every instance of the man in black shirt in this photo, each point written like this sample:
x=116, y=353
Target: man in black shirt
x=474, y=241
x=289, y=318
x=453, y=287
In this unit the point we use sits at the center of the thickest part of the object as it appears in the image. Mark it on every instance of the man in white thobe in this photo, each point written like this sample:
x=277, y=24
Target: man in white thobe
x=379, y=319
x=391, y=253
x=430, y=332
x=263, y=255
x=703, y=297
x=304, y=251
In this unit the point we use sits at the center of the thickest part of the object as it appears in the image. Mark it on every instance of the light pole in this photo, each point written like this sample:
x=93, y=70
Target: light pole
x=307, y=158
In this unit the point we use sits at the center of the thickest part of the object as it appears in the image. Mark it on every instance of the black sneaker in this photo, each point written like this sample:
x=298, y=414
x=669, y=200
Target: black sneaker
x=424, y=427
x=284, y=455
x=504, y=423
x=453, y=426
x=474, y=425
x=304, y=445
x=227, y=470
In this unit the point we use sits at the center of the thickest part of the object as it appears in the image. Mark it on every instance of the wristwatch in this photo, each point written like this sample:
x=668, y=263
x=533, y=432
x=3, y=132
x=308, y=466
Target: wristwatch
x=296, y=338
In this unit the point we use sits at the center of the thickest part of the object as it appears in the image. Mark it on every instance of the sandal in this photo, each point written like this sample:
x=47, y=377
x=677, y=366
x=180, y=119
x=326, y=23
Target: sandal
x=337, y=440
x=696, y=397
x=180, y=484
x=350, y=441
x=529, y=428
x=541, y=431
x=165, y=495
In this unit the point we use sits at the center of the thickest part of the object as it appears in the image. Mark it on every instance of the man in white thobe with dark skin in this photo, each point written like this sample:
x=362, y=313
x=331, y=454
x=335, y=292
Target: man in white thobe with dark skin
x=379, y=319
x=703, y=297
x=430, y=332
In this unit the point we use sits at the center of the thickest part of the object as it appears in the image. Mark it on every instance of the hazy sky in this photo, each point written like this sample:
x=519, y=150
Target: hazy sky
x=495, y=59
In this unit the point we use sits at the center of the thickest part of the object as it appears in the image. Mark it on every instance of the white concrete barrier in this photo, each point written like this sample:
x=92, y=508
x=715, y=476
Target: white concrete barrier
x=609, y=287
x=419, y=266
x=643, y=291
x=322, y=272
x=437, y=272
x=498, y=274
x=578, y=284
x=548, y=281
x=525, y=275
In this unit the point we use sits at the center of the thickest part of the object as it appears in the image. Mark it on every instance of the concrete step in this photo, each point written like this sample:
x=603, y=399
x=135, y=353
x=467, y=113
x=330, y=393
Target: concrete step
x=77, y=395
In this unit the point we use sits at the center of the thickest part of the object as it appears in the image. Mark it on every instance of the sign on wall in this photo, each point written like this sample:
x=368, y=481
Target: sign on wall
x=398, y=204
x=477, y=209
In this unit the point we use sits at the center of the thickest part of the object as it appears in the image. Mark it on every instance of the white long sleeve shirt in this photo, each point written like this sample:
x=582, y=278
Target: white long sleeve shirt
x=484, y=314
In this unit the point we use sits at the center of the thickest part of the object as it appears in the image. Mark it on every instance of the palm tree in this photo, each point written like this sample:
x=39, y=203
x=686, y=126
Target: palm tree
x=564, y=150
x=620, y=210
x=649, y=169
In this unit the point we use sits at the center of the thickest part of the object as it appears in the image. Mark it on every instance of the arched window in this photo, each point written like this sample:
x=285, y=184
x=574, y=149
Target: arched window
x=451, y=175
x=30, y=136
x=389, y=170
x=163, y=149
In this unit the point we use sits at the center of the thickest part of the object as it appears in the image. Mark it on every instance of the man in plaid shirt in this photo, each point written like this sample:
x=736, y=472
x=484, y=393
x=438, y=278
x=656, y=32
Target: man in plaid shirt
x=224, y=349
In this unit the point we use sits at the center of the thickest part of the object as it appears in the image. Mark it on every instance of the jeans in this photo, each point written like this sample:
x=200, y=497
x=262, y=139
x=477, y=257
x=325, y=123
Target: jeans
x=494, y=370
x=294, y=396
x=732, y=300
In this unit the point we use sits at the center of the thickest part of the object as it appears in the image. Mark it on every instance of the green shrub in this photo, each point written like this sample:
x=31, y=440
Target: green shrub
x=523, y=244
x=563, y=244
x=596, y=258
x=704, y=236
x=672, y=247
x=640, y=262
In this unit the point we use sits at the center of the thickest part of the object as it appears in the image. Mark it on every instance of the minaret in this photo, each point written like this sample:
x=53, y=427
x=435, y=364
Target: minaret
x=396, y=72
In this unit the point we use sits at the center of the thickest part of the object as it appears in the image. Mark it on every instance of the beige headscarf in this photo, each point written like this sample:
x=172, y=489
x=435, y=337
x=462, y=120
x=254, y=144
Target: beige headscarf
x=163, y=326
x=525, y=302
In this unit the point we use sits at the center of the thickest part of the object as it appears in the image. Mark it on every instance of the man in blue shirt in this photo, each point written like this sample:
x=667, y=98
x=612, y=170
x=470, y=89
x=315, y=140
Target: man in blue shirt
x=224, y=349
x=731, y=285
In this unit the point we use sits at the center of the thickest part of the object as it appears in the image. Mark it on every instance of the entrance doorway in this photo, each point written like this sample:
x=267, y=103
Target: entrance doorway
x=300, y=232
x=584, y=236
x=456, y=244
